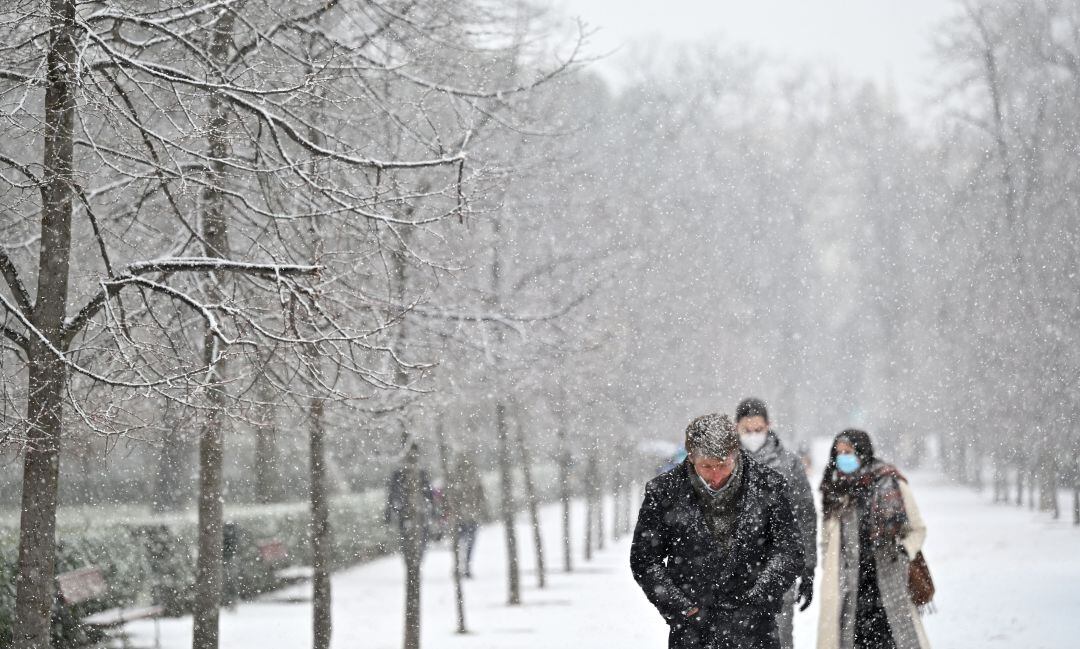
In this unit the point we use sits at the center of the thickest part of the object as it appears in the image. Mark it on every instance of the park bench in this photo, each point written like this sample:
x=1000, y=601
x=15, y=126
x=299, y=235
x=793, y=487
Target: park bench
x=86, y=584
x=273, y=552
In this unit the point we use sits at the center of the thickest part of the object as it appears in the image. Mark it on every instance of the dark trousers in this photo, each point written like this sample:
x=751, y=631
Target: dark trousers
x=725, y=631
x=466, y=543
x=871, y=622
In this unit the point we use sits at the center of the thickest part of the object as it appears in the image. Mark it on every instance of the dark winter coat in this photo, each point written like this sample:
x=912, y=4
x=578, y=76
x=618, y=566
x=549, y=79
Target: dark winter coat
x=397, y=493
x=778, y=458
x=465, y=494
x=679, y=565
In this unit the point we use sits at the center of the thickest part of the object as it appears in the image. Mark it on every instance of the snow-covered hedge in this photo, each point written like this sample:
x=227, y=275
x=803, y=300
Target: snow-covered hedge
x=150, y=558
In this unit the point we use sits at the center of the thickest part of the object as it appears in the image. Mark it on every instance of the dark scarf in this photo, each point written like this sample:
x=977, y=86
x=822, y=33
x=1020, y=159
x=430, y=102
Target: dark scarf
x=719, y=507
x=875, y=490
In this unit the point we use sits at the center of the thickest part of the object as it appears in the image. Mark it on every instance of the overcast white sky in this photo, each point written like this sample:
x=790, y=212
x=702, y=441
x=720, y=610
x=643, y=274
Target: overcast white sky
x=877, y=39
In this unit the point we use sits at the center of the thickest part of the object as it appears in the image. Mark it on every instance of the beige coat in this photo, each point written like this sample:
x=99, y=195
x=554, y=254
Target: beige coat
x=829, y=595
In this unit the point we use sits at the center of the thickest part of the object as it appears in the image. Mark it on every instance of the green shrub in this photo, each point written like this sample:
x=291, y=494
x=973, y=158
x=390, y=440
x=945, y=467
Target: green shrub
x=150, y=559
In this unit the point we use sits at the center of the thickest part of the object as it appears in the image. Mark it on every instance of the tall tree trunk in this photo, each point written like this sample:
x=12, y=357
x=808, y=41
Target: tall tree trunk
x=268, y=487
x=590, y=504
x=47, y=375
x=1019, y=484
x=620, y=483
x=564, y=493
x=412, y=545
x=599, y=507
x=452, y=491
x=321, y=539
x=1048, y=483
x=533, y=503
x=1076, y=495
x=506, y=484
x=208, y=570
x=168, y=495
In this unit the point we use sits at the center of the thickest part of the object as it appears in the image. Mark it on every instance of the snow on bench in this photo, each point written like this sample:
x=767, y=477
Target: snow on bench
x=88, y=583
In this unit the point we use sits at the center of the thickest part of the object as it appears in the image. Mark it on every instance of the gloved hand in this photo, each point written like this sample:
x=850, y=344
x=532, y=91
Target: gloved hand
x=806, y=591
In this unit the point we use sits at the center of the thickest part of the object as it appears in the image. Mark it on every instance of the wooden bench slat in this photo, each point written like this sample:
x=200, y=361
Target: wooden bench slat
x=78, y=586
x=118, y=616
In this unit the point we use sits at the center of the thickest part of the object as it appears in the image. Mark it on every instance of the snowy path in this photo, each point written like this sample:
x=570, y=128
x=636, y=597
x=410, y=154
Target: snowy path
x=1006, y=578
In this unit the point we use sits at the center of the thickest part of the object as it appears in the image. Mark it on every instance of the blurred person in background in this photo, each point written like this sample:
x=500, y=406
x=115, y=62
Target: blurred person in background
x=762, y=443
x=465, y=493
x=871, y=531
x=397, y=512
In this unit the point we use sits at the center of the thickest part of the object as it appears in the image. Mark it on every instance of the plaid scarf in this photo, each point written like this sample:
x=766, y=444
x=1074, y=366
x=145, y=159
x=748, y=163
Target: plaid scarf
x=875, y=490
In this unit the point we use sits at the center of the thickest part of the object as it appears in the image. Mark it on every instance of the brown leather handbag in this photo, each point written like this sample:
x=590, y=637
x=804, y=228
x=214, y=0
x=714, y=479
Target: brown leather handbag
x=920, y=583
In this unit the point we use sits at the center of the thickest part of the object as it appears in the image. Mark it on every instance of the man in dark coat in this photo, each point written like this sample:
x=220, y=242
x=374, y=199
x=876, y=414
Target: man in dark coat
x=396, y=513
x=716, y=547
x=759, y=440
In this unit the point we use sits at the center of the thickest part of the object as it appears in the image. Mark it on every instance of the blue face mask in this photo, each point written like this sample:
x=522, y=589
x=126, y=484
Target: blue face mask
x=847, y=462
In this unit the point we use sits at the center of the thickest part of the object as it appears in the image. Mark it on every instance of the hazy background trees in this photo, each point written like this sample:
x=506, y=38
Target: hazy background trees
x=437, y=221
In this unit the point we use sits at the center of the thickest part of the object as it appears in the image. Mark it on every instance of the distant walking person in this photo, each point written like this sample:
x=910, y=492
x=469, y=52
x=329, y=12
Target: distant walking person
x=759, y=440
x=397, y=511
x=715, y=547
x=469, y=503
x=871, y=531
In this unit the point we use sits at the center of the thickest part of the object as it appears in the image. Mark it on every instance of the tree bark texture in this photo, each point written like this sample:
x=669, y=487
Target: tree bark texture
x=208, y=571
x=412, y=546
x=453, y=520
x=532, y=501
x=268, y=488
x=47, y=375
x=506, y=485
x=168, y=490
x=564, y=494
x=321, y=539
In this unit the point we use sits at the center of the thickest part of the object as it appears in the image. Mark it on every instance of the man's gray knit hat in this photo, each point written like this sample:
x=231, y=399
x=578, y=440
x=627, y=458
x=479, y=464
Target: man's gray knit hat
x=711, y=435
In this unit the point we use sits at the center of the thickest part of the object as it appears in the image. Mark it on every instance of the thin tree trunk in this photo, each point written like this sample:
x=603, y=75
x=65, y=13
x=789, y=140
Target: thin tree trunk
x=588, y=528
x=1076, y=496
x=1033, y=477
x=533, y=504
x=452, y=489
x=1048, y=485
x=616, y=503
x=564, y=493
x=167, y=487
x=1019, y=485
x=1000, y=482
x=412, y=546
x=506, y=480
x=590, y=504
x=599, y=495
x=268, y=487
x=208, y=572
x=47, y=376
x=321, y=534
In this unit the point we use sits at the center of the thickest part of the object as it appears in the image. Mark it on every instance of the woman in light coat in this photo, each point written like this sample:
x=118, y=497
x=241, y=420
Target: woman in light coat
x=871, y=532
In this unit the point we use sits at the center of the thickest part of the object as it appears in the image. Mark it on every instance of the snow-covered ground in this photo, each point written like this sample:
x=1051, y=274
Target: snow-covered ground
x=1006, y=577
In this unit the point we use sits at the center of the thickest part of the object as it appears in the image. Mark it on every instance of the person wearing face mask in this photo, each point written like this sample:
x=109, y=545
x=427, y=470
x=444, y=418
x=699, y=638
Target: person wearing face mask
x=758, y=439
x=871, y=531
x=715, y=547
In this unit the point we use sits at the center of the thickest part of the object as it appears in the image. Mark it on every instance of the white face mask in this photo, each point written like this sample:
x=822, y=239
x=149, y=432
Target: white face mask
x=753, y=442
